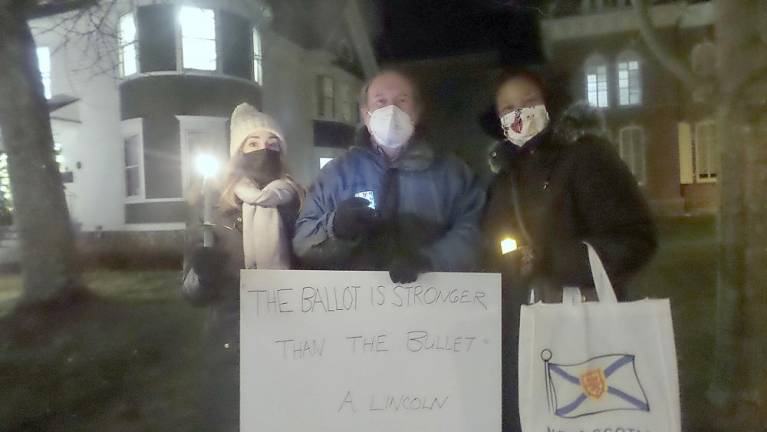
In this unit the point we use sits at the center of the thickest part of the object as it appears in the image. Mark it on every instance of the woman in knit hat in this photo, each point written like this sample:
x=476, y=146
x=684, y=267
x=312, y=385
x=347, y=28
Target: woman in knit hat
x=254, y=220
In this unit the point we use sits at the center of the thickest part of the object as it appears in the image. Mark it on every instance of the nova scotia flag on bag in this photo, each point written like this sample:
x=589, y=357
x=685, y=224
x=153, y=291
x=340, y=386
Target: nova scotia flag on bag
x=601, y=384
x=598, y=365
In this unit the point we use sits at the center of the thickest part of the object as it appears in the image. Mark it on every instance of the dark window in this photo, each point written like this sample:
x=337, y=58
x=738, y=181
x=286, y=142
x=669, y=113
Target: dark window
x=157, y=38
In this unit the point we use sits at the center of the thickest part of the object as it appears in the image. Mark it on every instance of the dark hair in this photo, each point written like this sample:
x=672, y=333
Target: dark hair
x=553, y=86
x=526, y=73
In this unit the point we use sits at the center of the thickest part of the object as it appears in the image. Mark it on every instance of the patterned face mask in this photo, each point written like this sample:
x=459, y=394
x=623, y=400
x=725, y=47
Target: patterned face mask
x=523, y=124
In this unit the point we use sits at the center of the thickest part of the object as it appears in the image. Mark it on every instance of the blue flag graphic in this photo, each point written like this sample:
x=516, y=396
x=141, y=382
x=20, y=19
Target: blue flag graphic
x=600, y=384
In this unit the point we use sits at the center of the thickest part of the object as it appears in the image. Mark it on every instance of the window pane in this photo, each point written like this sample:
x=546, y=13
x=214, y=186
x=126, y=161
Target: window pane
x=128, y=58
x=199, y=54
x=324, y=161
x=132, y=182
x=327, y=86
x=603, y=99
x=127, y=32
x=44, y=63
x=257, y=56
x=624, y=96
x=197, y=23
x=198, y=32
x=132, y=151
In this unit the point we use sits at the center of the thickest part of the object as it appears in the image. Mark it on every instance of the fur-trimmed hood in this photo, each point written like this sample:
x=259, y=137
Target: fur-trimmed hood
x=577, y=121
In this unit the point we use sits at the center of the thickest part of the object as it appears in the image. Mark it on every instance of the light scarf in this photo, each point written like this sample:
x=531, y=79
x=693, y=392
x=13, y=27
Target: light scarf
x=264, y=242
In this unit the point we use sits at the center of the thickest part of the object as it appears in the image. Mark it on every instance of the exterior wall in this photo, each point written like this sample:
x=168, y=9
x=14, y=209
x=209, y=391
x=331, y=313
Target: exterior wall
x=570, y=41
x=86, y=129
x=290, y=95
x=162, y=96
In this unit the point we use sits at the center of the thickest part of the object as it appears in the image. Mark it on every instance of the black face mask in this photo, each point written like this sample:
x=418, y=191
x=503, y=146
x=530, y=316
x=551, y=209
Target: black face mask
x=261, y=166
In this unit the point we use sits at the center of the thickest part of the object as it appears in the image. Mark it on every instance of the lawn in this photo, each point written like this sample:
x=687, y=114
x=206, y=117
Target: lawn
x=130, y=360
x=684, y=270
x=127, y=361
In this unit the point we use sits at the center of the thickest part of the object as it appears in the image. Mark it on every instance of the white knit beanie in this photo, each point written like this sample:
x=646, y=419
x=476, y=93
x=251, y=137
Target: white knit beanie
x=246, y=119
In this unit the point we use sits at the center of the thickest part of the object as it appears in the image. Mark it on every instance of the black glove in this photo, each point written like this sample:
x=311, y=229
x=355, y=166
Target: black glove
x=209, y=264
x=354, y=218
x=406, y=268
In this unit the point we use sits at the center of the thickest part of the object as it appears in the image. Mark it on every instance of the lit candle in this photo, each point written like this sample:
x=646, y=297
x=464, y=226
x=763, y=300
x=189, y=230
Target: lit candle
x=508, y=245
x=207, y=166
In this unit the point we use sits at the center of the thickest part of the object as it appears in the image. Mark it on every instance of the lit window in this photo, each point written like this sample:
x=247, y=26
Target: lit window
x=132, y=166
x=44, y=63
x=127, y=42
x=324, y=161
x=326, y=96
x=60, y=160
x=706, y=152
x=631, y=146
x=257, y=57
x=629, y=83
x=198, y=38
x=596, y=82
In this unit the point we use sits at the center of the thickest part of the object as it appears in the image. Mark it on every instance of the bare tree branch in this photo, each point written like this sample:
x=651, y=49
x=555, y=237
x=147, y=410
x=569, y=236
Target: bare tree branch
x=43, y=9
x=663, y=53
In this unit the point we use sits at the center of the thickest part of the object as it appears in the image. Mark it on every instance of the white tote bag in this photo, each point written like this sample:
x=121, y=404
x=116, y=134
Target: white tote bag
x=598, y=366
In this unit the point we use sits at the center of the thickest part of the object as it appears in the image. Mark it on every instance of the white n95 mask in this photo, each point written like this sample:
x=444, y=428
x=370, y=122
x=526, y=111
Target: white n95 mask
x=390, y=126
x=523, y=124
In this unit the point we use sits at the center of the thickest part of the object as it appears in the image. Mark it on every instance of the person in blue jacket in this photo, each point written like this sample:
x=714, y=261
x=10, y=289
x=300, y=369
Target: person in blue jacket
x=392, y=202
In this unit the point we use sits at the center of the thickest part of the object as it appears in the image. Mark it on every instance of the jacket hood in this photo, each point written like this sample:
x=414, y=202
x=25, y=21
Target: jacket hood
x=577, y=121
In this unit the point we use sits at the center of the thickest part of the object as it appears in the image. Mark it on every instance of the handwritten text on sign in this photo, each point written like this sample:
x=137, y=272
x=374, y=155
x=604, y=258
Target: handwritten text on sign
x=350, y=351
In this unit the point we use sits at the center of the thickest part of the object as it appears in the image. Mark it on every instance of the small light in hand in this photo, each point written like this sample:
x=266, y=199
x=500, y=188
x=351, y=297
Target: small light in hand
x=206, y=165
x=508, y=245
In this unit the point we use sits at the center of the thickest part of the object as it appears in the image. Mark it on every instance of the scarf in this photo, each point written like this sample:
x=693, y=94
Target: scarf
x=263, y=235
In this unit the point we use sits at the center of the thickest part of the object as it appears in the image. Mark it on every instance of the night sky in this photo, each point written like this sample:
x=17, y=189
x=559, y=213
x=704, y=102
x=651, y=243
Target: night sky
x=417, y=29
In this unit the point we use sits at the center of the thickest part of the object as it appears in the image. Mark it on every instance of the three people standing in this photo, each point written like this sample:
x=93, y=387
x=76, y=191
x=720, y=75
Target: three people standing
x=395, y=203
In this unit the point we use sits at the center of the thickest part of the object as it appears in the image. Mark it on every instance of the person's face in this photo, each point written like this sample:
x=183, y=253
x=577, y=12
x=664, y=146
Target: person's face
x=517, y=93
x=260, y=140
x=391, y=89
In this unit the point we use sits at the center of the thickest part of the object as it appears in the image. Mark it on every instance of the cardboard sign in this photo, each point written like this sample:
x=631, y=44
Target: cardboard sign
x=351, y=351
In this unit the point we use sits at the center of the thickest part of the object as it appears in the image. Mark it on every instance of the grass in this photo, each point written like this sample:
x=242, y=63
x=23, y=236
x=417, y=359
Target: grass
x=684, y=270
x=129, y=360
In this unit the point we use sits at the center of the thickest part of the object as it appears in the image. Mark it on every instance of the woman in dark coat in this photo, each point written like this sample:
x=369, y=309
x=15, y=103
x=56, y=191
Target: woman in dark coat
x=558, y=184
x=253, y=225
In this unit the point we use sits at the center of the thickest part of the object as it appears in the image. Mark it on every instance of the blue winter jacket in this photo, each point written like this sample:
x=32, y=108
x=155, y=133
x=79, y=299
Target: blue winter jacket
x=438, y=209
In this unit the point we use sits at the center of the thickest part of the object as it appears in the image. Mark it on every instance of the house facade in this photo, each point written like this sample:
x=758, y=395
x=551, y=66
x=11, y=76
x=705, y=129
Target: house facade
x=666, y=137
x=159, y=89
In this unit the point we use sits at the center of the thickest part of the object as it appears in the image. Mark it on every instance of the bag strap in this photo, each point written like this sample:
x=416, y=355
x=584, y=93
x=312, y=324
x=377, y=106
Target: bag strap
x=604, y=288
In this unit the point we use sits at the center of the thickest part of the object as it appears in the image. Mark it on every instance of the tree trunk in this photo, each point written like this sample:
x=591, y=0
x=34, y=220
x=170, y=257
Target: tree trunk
x=740, y=376
x=49, y=260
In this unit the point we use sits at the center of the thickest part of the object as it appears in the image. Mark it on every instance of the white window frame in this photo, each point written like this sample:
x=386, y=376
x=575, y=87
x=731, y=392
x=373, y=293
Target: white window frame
x=122, y=44
x=597, y=81
x=217, y=125
x=638, y=168
x=180, y=41
x=258, y=57
x=709, y=173
x=628, y=70
x=129, y=128
x=44, y=52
